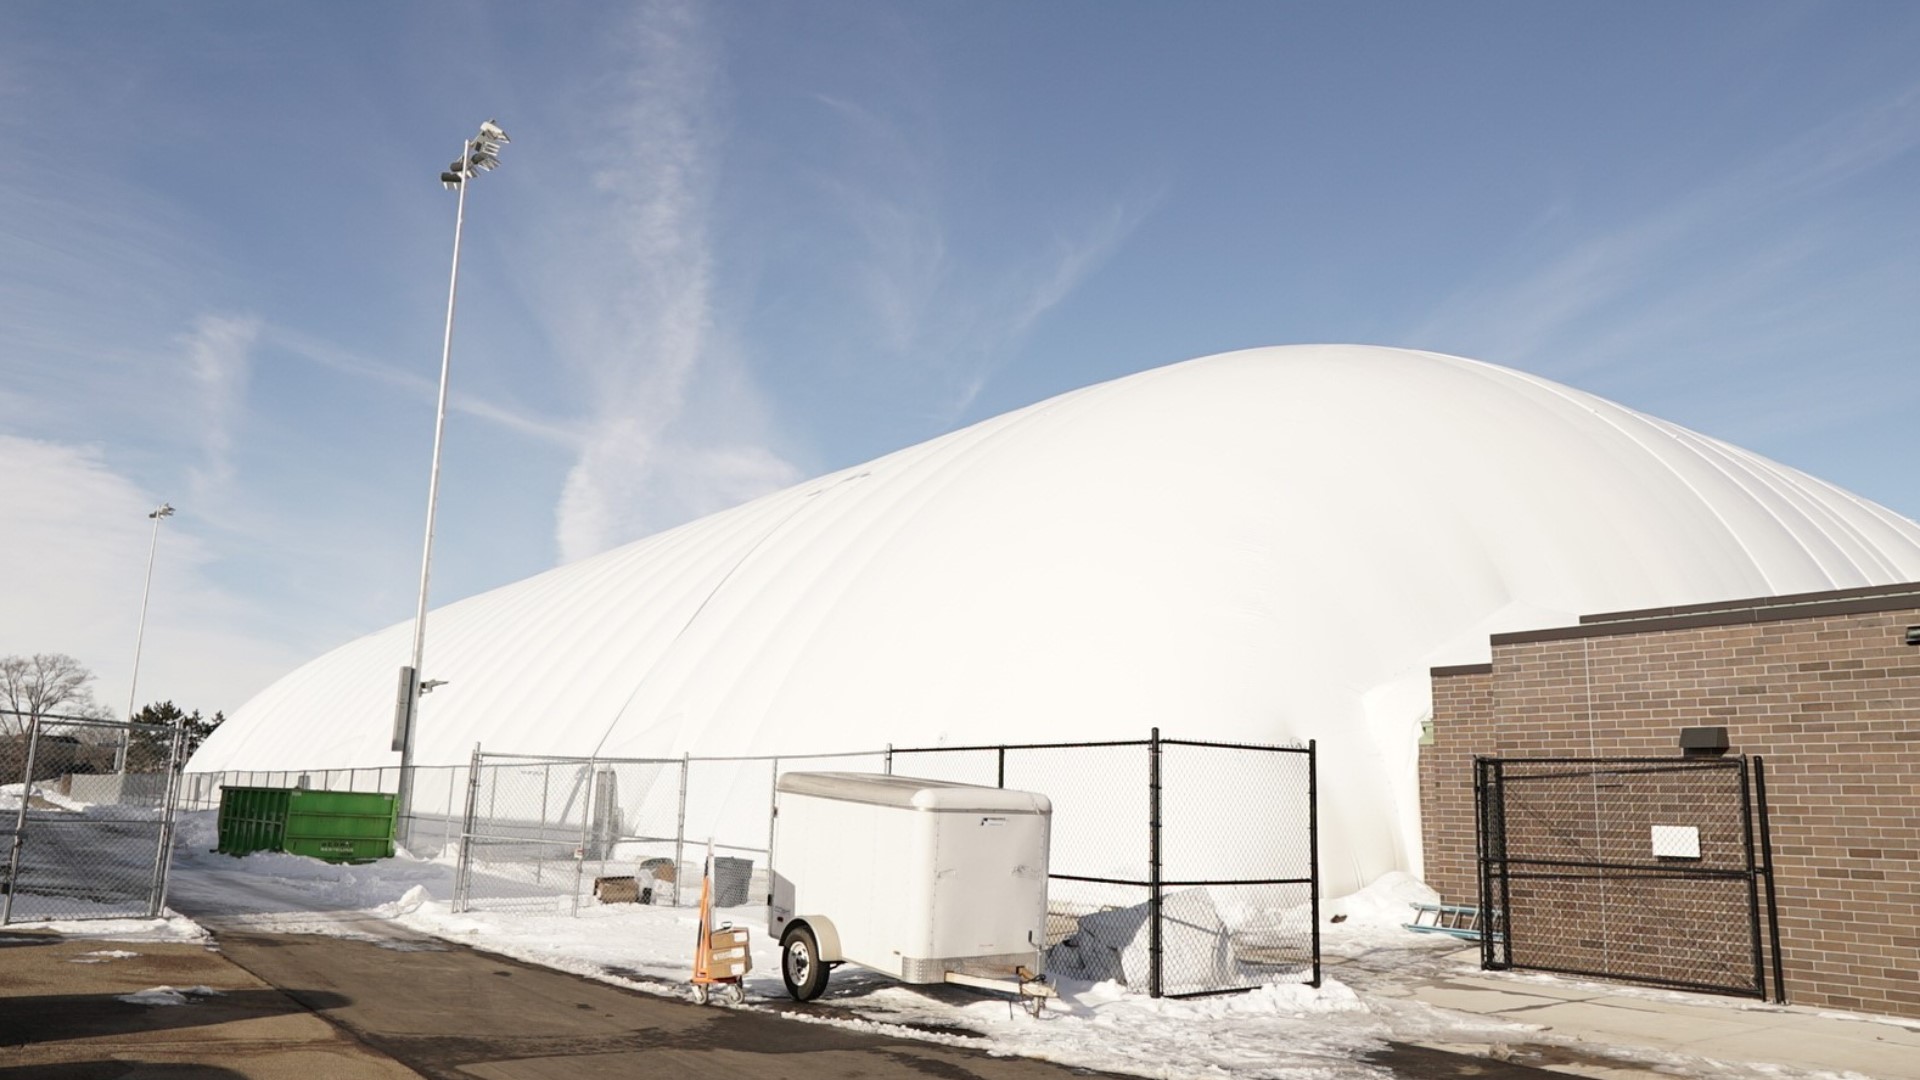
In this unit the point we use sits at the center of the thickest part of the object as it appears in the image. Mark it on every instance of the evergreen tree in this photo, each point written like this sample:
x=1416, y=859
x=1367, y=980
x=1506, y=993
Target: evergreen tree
x=147, y=750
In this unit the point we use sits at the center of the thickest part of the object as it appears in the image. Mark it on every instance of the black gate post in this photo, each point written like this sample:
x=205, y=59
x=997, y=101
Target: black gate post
x=1489, y=795
x=1766, y=856
x=1481, y=866
x=1313, y=848
x=1002, y=774
x=1153, y=865
x=1753, y=889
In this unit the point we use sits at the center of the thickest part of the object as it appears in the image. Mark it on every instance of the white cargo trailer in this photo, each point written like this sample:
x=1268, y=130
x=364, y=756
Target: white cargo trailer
x=925, y=880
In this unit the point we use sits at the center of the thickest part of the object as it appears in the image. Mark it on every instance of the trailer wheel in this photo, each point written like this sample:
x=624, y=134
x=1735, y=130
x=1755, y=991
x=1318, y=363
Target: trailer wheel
x=800, y=964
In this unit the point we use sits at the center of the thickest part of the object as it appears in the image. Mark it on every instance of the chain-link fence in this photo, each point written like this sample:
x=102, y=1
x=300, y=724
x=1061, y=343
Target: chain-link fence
x=433, y=824
x=90, y=805
x=1177, y=867
x=559, y=834
x=1654, y=871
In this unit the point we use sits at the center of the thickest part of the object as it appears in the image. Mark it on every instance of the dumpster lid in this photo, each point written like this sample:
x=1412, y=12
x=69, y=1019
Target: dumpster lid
x=913, y=792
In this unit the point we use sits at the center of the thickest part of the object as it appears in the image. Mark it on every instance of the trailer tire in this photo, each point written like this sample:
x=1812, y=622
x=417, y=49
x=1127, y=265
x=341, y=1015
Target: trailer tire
x=800, y=965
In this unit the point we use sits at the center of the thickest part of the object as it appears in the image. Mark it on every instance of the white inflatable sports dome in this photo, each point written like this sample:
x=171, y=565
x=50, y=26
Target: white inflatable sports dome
x=1264, y=546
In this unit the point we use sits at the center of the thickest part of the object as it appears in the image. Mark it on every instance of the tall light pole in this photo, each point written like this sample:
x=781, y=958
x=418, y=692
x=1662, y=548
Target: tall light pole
x=477, y=155
x=160, y=513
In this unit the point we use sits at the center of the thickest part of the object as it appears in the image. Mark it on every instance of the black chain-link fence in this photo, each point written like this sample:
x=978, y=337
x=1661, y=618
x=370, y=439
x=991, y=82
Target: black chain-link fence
x=1653, y=871
x=1177, y=867
x=89, y=807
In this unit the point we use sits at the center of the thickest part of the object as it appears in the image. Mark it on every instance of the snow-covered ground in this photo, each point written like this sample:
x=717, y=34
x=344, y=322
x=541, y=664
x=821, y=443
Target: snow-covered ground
x=1372, y=966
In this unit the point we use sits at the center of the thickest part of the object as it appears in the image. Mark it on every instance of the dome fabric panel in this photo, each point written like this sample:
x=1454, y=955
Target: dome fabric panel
x=1269, y=545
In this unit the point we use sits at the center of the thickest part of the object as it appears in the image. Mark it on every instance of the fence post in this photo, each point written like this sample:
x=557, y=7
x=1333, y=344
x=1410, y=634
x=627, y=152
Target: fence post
x=1000, y=775
x=20, y=820
x=1313, y=847
x=463, y=869
x=446, y=819
x=163, y=861
x=540, y=849
x=1496, y=928
x=546, y=785
x=1481, y=865
x=773, y=821
x=680, y=831
x=1153, y=865
x=588, y=808
x=1766, y=854
x=889, y=766
x=1753, y=889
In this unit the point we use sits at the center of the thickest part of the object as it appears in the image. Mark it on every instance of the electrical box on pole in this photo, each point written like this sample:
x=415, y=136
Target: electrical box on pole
x=403, y=709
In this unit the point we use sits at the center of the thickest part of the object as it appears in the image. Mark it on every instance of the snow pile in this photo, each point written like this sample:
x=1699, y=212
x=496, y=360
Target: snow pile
x=1115, y=945
x=101, y=956
x=171, y=926
x=1387, y=902
x=167, y=995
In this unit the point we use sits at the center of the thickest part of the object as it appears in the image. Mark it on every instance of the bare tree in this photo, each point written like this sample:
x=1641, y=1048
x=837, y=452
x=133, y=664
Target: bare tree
x=37, y=685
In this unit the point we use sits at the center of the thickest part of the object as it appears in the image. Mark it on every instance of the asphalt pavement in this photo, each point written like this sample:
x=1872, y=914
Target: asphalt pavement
x=65, y=1015
x=285, y=1006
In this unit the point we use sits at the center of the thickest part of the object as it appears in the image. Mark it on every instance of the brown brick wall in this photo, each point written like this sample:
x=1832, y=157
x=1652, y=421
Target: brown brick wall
x=1462, y=727
x=1833, y=705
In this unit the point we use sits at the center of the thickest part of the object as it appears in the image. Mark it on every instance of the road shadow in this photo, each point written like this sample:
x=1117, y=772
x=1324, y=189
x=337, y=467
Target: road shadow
x=57, y=1017
x=119, y=1070
x=1426, y=1063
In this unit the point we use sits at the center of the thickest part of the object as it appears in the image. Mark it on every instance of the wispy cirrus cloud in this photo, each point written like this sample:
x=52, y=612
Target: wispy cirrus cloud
x=1597, y=296
x=1043, y=283
x=674, y=427
x=507, y=415
x=934, y=297
x=219, y=349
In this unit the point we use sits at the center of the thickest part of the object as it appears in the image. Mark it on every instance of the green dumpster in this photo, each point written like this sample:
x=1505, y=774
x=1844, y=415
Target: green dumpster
x=338, y=826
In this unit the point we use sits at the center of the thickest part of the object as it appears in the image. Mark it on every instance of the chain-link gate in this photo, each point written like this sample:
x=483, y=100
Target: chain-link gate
x=90, y=804
x=1654, y=871
x=1179, y=867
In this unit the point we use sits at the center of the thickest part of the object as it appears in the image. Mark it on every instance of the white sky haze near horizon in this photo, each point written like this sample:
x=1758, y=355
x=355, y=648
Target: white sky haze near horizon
x=735, y=245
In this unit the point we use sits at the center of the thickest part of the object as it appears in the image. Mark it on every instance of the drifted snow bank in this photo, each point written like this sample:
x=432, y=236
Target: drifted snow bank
x=1116, y=945
x=1205, y=932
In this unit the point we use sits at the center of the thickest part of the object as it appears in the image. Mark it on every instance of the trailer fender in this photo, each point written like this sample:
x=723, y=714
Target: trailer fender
x=823, y=934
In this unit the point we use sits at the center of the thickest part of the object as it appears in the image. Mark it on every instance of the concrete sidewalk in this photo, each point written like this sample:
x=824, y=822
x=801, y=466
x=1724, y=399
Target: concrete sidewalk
x=1597, y=1030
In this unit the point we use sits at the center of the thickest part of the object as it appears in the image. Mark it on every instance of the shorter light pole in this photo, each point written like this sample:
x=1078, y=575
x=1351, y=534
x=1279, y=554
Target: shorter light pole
x=159, y=514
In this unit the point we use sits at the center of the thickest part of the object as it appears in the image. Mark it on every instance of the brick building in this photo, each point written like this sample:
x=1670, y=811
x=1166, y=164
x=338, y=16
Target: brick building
x=1825, y=686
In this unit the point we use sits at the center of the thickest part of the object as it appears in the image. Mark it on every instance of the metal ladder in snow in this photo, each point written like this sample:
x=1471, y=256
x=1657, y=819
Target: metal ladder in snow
x=1459, y=920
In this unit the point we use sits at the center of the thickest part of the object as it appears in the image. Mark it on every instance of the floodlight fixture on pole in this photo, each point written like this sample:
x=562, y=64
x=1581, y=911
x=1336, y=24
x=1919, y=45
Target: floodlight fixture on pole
x=479, y=154
x=159, y=514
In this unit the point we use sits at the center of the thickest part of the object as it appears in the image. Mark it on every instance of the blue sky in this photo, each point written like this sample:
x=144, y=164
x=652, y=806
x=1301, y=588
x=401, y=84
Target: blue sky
x=734, y=245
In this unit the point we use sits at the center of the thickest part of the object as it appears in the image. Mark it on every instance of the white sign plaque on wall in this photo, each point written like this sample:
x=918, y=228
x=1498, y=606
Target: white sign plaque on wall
x=1676, y=842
